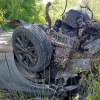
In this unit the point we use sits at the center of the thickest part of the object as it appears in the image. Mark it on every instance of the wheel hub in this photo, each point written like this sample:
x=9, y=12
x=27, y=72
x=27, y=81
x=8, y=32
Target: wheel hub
x=26, y=51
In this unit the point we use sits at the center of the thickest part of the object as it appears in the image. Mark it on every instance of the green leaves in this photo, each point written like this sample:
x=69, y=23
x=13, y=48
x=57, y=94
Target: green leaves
x=19, y=9
x=2, y=19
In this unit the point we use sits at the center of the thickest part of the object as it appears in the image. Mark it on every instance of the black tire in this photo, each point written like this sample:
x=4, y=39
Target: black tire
x=34, y=37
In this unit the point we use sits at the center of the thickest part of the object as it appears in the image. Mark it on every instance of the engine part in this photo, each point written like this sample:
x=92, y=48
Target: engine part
x=90, y=32
x=67, y=30
x=93, y=24
x=85, y=15
x=57, y=25
x=63, y=45
x=73, y=22
x=71, y=18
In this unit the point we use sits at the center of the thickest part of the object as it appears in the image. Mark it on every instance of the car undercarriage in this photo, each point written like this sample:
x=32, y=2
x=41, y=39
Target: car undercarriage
x=41, y=61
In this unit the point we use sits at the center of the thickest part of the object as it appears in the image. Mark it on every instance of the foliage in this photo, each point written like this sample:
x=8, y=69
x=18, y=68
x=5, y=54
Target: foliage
x=29, y=11
x=94, y=6
x=21, y=9
x=58, y=7
x=18, y=9
x=1, y=16
x=94, y=80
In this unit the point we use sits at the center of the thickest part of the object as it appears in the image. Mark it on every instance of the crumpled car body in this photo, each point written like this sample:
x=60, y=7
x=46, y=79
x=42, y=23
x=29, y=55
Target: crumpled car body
x=40, y=62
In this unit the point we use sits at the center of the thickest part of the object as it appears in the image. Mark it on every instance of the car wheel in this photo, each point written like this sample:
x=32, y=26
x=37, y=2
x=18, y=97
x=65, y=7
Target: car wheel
x=31, y=47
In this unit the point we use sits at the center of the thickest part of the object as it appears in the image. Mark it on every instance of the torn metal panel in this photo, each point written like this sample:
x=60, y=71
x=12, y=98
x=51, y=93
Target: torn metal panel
x=69, y=88
x=92, y=48
x=5, y=77
x=60, y=74
x=82, y=64
x=67, y=76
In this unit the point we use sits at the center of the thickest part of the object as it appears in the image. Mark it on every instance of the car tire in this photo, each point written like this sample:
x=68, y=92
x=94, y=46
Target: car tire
x=28, y=37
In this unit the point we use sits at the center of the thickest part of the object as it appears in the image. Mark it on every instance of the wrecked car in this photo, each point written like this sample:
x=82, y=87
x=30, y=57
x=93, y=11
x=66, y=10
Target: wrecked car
x=40, y=60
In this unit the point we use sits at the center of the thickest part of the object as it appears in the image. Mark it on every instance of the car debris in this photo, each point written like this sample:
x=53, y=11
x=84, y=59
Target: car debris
x=82, y=64
x=92, y=48
x=45, y=55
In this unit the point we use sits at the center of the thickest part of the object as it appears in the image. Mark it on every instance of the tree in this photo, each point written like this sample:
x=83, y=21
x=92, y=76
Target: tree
x=26, y=10
x=18, y=9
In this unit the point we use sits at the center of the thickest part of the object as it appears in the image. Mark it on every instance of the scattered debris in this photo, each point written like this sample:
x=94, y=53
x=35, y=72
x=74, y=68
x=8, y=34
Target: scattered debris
x=82, y=64
x=51, y=51
x=92, y=48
